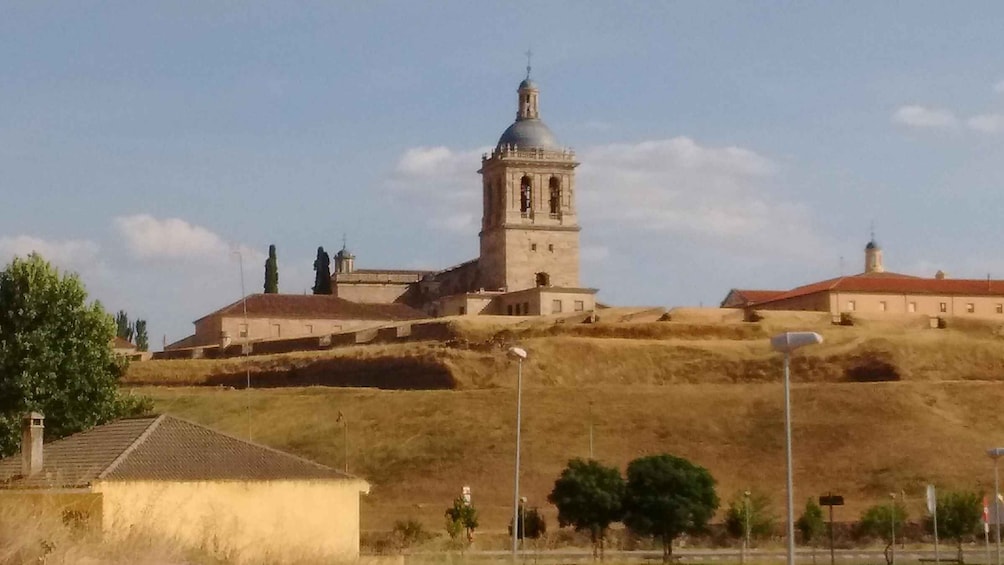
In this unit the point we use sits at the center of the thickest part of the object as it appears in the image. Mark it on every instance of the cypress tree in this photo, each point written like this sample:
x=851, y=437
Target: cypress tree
x=322, y=270
x=271, y=272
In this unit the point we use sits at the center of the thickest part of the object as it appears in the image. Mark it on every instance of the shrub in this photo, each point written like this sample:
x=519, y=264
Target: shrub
x=751, y=514
x=410, y=532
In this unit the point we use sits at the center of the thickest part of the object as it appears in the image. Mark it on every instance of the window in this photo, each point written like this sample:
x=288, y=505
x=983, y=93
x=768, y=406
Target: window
x=510, y=310
x=525, y=196
x=309, y=328
x=1000, y=308
x=533, y=247
x=555, y=201
x=911, y=307
x=943, y=307
x=275, y=330
x=970, y=307
x=850, y=305
x=543, y=279
x=526, y=308
x=580, y=306
x=243, y=330
x=550, y=247
x=555, y=306
x=882, y=306
x=463, y=310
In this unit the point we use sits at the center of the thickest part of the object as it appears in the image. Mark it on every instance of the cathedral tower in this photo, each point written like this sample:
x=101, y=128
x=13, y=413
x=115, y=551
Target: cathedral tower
x=529, y=227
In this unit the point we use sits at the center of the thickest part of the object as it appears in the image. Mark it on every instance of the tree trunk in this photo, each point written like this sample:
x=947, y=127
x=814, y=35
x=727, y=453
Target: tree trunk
x=961, y=556
x=596, y=544
x=667, y=549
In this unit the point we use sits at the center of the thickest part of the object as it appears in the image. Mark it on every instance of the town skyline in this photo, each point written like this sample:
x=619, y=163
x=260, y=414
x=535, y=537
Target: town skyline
x=721, y=145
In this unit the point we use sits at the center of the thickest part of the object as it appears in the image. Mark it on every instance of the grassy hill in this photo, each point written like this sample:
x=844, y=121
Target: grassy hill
x=878, y=408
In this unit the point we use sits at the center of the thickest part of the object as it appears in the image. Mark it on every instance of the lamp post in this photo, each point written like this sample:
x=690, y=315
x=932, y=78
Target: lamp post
x=787, y=343
x=247, y=336
x=522, y=523
x=892, y=528
x=746, y=526
x=995, y=454
x=520, y=354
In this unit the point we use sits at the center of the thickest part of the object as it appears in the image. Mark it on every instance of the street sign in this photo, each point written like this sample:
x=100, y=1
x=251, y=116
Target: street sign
x=831, y=500
x=932, y=499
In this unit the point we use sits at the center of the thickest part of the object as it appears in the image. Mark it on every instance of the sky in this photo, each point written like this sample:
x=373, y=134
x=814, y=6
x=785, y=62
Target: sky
x=722, y=144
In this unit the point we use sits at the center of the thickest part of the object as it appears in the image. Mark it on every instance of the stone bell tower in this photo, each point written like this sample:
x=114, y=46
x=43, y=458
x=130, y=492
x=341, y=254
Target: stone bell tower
x=529, y=227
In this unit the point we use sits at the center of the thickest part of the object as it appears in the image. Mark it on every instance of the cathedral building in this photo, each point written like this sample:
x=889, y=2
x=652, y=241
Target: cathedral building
x=529, y=240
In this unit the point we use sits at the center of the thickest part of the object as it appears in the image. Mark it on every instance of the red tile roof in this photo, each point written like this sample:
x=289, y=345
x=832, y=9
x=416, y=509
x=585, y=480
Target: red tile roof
x=753, y=296
x=316, y=306
x=158, y=448
x=895, y=283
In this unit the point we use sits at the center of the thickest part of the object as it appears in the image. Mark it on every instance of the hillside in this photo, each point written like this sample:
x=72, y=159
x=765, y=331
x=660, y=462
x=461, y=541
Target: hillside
x=879, y=407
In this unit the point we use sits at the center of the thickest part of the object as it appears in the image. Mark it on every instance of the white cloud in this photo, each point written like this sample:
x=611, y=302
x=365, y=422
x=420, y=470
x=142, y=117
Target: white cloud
x=999, y=87
x=671, y=185
x=147, y=237
x=443, y=184
x=987, y=123
x=921, y=117
x=73, y=254
x=718, y=196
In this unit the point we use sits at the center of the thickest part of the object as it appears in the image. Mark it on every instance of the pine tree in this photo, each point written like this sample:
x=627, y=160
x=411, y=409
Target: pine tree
x=271, y=272
x=322, y=270
x=142, y=340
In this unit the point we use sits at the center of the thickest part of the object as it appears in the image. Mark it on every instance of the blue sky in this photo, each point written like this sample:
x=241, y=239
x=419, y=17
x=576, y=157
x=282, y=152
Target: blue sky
x=723, y=144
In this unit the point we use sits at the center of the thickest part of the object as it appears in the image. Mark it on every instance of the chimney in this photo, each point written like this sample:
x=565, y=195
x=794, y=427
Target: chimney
x=31, y=443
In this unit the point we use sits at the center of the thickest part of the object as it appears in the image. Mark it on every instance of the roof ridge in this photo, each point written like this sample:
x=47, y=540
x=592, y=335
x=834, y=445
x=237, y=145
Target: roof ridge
x=132, y=447
x=262, y=446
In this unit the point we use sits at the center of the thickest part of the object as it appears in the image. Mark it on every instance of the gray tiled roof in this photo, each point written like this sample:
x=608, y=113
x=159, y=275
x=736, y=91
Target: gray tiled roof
x=158, y=448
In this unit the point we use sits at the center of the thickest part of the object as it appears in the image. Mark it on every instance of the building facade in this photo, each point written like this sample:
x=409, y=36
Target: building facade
x=529, y=240
x=877, y=292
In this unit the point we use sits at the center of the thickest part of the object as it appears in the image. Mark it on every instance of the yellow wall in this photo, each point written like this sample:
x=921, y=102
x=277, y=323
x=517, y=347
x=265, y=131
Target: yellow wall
x=867, y=304
x=258, y=520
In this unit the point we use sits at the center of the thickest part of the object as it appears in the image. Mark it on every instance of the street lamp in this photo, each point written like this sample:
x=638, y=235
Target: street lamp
x=520, y=354
x=746, y=526
x=787, y=343
x=995, y=454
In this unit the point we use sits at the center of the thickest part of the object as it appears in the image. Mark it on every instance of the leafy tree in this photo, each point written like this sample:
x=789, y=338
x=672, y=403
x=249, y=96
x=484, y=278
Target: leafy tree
x=589, y=497
x=667, y=496
x=876, y=521
x=811, y=524
x=461, y=517
x=959, y=516
x=271, y=272
x=142, y=340
x=756, y=518
x=123, y=328
x=322, y=270
x=54, y=354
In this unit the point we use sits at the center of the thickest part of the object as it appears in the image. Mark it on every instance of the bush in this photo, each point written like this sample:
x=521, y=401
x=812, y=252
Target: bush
x=754, y=316
x=461, y=517
x=410, y=532
x=531, y=524
x=846, y=319
x=876, y=521
x=760, y=518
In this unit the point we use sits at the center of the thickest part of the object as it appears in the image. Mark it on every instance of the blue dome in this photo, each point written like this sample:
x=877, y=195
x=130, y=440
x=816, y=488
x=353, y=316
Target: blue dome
x=527, y=83
x=529, y=134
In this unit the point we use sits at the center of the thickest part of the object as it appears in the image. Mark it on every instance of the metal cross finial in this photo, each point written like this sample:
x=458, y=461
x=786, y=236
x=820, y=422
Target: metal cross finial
x=873, y=230
x=529, y=54
x=344, y=240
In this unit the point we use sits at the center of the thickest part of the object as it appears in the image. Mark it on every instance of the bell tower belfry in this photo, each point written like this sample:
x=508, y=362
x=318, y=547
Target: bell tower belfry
x=529, y=227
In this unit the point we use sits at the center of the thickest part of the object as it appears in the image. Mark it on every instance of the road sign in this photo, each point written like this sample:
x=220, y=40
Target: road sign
x=831, y=500
x=932, y=499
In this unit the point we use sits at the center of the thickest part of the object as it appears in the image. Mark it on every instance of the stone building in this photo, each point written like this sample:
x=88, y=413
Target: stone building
x=164, y=476
x=529, y=240
x=877, y=292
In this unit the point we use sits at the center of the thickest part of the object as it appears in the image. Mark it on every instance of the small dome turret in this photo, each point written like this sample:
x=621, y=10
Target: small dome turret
x=528, y=131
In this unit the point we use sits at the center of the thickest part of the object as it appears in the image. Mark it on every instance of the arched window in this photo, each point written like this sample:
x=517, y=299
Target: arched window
x=525, y=196
x=543, y=279
x=555, y=200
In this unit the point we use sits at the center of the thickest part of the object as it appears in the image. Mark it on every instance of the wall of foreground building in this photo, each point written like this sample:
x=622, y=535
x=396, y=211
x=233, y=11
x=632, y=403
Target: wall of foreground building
x=981, y=307
x=268, y=521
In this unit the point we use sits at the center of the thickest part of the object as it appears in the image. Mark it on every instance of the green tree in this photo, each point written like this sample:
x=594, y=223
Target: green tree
x=752, y=514
x=589, y=497
x=667, y=496
x=54, y=354
x=959, y=516
x=271, y=272
x=322, y=272
x=876, y=521
x=142, y=340
x=461, y=517
x=123, y=328
x=811, y=524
